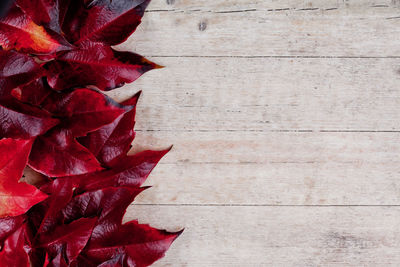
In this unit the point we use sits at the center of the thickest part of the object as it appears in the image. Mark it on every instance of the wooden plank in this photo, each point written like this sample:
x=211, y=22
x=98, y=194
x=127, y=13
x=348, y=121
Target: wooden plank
x=274, y=168
x=359, y=30
x=284, y=236
x=241, y=94
x=267, y=5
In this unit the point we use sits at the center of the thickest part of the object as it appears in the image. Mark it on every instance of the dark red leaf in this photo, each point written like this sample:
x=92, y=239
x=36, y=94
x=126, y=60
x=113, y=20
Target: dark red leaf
x=19, y=120
x=16, y=69
x=13, y=252
x=72, y=237
x=113, y=141
x=96, y=65
x=18, y=31
x=83, y=110
x=109, y=22
x=108, y=204
x=15, y=197
x=117, y=261
x=33, y=93
x=131, y=171
x=58, y=261
x=60, y=191
x=9, y=225
x=48, y=13
x=58, y=154
x=141, y=244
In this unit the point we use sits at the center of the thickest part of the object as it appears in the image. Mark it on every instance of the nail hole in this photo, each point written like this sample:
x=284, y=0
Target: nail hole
x=202, y=26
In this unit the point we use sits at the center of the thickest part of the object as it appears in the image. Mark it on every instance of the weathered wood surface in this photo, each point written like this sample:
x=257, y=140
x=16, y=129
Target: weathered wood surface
x=241, y=94
x=279, y=236
x=285, y=120
x=270, y=28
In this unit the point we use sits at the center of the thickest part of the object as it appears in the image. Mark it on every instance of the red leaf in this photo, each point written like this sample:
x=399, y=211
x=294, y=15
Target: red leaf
x=140, y=244
x=33, y=93
x=60, y=191
x=96, y=65
x=16, y=69
x=49, y=13
x=83, y=110
x=108, y=204
x=72, y=237
x=19, y=120
x=117, y=261
x=13, y=253
x=15, y=197
x=131, y=171
x=58, y=154
x=113, y=141
x=18, y=31
x=109, y=22
x=58, y=261
x=9, y=225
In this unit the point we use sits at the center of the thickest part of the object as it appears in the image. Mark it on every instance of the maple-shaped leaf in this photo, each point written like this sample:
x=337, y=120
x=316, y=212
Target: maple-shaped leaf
x=48, y=13
x=58, y=154
x=113, y=141
x=33, y=93
x=17, y=69
x=9, y=225
x=19, y=120
x=18, y=31
x=141, y=245
x=109, y=22
x=13, y=252
x=83, y=110
x=15, y=197
x=97, y=65
x=71, y=237
x=130, y=171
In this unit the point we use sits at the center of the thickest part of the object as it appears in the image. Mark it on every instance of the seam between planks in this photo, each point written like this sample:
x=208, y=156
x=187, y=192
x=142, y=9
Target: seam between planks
x=274, y=56
x=264, y=205
x=272, y=131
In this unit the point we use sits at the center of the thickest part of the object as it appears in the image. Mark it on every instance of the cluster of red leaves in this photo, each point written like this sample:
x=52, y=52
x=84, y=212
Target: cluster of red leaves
x=74, y=136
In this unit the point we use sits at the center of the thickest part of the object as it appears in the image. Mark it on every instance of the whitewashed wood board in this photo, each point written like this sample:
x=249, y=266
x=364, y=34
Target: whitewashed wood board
x=278, y=236
x=284, y=117
x=358, y=30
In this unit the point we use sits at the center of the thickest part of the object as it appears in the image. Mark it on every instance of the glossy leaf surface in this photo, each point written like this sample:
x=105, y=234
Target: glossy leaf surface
x=18, y=31
x=58, y=154
x=69, y=237
x=113, y=141
x=15, y=197
x=109, y=22
x=83, y=110
x=33, y=93
x=16, y=69
x=140, y=244
x=96, y=65
x=13, y=253
x=131, y=171
x=49, y=13
x=9, y=225
x=19, y=120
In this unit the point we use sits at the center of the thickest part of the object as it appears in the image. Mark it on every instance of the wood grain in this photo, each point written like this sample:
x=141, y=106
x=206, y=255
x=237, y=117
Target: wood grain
x=242, y=94
x=274, y=168
x=284, y=117
x=289, y=29
x=278, y=236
